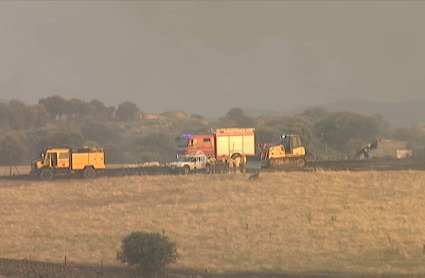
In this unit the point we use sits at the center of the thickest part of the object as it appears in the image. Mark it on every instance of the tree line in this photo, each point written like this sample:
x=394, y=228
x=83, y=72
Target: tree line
x=129, y=135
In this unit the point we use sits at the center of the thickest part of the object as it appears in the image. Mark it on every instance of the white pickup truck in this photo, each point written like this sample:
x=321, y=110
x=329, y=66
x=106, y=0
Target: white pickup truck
x=190, y=163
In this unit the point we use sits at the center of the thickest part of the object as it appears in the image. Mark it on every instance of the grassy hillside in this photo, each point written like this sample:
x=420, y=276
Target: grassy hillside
x=363, y=222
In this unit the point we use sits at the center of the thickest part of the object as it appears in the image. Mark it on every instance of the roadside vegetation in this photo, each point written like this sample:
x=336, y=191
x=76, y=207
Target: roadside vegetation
x=131, y=136
x=320, y=222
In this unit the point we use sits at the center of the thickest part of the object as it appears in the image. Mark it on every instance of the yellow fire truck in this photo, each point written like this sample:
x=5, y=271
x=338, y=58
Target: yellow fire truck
x=87, y=161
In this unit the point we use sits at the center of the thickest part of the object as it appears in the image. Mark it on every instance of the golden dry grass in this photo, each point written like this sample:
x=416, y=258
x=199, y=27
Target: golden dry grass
x=362, y=222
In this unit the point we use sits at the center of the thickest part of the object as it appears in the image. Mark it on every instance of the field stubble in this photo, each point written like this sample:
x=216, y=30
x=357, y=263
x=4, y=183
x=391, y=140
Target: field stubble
x=339, y=222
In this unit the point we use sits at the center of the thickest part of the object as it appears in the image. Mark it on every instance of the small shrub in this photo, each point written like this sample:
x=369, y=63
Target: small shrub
x=149, y=251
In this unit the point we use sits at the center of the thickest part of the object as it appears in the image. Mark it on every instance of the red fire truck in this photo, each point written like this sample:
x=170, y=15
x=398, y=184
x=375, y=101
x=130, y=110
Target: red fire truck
x=223, y=141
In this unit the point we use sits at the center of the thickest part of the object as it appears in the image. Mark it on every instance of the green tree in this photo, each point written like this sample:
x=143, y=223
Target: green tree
x=155, y=146
x=293, y=125
x=5, y=115
x=55, y=105
x=236, y=117
x=148, y=251
x=104, y=112
x=22, y=116
x=315, y=114
x=113, y=154
x=339, y=127
x=128, y=111
x=80, y=109
x=12, y=150
x=99, y=132
x=63, y=139
x=266, y=134
x=406, y=134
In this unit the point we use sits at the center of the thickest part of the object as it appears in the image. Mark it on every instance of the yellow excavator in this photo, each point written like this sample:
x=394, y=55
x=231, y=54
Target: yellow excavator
x=289, y=152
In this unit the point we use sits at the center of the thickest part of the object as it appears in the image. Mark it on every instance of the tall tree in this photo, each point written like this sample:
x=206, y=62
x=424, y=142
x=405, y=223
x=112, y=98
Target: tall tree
x=339, y=127
x=128, y=111
x=5, y=115
x=55, y=105
x=99, y=132
x=236, y=117
x=104, y=112
x=12, y=150
x=80, y=109
x=293, y=125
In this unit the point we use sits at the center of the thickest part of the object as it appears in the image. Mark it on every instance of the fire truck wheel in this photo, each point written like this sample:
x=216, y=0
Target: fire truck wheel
x=89, y=173
x=186, y=170
x=46, y=174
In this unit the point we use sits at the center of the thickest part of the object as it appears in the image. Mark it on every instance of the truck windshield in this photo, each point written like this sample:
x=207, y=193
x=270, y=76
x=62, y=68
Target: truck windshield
x=182, y=142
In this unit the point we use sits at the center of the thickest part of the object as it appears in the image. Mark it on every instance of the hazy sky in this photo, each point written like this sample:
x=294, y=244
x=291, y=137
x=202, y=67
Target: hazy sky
x=207, y=57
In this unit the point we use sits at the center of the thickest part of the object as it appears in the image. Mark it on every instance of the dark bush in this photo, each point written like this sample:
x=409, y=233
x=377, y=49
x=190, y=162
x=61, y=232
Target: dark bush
x=148, y=251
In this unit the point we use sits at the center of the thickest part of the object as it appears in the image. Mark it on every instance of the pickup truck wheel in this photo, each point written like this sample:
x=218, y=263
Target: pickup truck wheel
x=89, y=173
x=46, y=174
x=186, y=170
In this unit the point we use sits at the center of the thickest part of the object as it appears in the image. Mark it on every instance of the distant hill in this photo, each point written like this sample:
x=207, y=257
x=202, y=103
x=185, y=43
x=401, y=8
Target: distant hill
x=398, y=114
x=3, y=100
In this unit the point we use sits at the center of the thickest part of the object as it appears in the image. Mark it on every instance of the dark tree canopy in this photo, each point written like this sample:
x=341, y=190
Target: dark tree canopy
x=99, y=132
x=63, y=139
x=80, y=109
x=339, y=127
x=104, y=112
x=149, y=251
x=315, y=114
x=56, y=106
x=236, y=117
x=292, y=125
x=128, y=111
x=12, y=150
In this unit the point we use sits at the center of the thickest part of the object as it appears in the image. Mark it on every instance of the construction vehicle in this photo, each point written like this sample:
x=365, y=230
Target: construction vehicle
x=87, y=162
x=190, y=163
x=227, y=142
x=288, y=152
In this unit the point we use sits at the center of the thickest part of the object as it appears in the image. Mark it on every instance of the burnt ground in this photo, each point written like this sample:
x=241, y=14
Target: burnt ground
x=25, y=268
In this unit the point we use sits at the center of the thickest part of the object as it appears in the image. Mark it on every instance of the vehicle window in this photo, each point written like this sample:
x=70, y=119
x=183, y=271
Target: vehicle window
x=63, y=155
x=182, y=142
x=207, y=141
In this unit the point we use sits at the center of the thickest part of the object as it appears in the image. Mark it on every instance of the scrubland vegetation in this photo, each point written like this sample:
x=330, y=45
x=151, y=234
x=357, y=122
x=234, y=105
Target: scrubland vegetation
x=131, y=136
x=320, y=222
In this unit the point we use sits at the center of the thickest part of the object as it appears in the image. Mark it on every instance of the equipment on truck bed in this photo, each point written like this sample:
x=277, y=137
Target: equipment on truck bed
x=87, y=161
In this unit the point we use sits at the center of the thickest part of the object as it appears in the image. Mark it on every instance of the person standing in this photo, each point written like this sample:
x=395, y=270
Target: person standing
x=212, y=161
x=237, y=162
x=231, y=164
x=243, y=163
x=223, y=165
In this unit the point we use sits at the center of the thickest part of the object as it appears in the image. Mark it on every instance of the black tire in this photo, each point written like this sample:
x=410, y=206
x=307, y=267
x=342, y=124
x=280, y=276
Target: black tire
x=46, y=174
x=185, y=170
x=89, y=173
x=208, y=169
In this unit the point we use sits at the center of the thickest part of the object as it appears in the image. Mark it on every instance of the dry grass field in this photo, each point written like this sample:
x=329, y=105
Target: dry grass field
x=320, y=222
